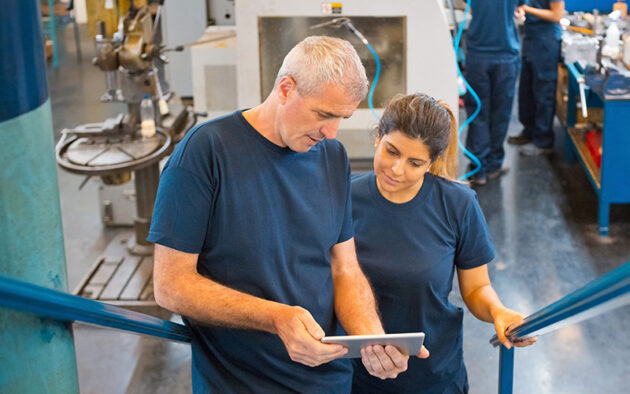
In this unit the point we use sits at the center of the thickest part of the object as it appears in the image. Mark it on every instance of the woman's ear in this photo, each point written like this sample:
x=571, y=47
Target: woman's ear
x=377, y=141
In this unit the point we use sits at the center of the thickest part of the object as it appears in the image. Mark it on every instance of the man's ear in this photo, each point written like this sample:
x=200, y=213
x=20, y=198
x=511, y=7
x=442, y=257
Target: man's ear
x=286, y=87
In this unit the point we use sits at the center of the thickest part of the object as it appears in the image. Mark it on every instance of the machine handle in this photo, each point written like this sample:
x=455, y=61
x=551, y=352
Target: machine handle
x=583, y=100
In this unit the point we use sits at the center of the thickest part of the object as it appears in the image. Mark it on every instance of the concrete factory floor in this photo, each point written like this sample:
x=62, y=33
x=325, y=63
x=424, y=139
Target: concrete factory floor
x=542, y=216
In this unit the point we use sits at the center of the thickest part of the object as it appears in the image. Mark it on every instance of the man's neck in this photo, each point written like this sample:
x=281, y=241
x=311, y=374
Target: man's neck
x=263, y=119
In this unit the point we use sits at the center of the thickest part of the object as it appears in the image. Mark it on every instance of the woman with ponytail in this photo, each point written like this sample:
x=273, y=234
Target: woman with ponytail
x=415, y=225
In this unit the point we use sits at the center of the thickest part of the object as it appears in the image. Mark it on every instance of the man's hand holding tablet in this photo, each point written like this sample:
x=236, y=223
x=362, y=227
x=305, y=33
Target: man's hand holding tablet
x=377, y=352
x=407, y=343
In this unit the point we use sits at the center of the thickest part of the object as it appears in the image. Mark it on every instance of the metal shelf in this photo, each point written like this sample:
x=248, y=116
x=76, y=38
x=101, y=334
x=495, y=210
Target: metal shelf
x=610, y=181
x=585, y=156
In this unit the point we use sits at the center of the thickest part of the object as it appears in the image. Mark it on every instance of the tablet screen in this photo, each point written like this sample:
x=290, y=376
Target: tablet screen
x=407, y=343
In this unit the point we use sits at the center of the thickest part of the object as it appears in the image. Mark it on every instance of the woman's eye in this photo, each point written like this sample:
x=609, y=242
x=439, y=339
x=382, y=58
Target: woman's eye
x=391, y=152
x=414, y=164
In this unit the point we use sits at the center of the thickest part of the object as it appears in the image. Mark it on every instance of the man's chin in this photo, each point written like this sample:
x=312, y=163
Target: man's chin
x=301, y=148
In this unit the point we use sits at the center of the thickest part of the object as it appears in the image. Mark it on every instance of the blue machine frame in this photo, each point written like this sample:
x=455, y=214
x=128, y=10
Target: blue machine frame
x=612, y=181
x=589, y=5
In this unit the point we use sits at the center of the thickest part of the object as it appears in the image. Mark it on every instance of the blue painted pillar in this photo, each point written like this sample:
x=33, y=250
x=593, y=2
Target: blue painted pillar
x=36, y=355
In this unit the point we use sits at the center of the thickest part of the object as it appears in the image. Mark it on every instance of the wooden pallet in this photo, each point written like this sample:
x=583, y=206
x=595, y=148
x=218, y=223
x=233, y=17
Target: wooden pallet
x=122, y=279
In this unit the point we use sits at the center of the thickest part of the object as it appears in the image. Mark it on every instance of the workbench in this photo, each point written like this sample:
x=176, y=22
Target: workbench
x=611, y=181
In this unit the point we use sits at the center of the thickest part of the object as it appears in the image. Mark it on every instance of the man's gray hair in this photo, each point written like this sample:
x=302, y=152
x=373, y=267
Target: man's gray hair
x=320, y=60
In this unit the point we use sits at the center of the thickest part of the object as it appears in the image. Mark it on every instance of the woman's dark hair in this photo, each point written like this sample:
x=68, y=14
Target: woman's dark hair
x=422, y=117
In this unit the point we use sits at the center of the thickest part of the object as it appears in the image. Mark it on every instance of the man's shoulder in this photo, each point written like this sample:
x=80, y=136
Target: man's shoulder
x=203, y=140
x=334, y=146
x=332, y=151
x=216, y=126
x=210, y=131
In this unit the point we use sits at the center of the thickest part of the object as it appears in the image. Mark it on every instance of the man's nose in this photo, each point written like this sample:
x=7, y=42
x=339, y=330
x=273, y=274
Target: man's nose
x=330, y=128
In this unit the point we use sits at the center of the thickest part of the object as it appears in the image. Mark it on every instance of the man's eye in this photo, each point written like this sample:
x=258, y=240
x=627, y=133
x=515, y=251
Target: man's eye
x=391, y=152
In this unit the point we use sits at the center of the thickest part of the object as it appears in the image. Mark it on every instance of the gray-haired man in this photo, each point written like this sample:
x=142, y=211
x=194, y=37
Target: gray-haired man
x=254, y=238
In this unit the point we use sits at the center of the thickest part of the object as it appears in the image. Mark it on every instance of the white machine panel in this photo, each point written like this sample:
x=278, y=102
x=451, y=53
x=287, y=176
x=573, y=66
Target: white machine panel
x=183, y=22
x=214, y=71
x=429, y=58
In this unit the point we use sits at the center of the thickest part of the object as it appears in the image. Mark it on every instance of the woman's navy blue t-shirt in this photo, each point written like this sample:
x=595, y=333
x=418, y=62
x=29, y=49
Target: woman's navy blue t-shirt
x=262, y=219
x=409, y=253
x=536, y=28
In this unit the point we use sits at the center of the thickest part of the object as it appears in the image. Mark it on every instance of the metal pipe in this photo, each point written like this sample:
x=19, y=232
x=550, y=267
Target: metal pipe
x=57, y=305
x=454, y=16
x=601, y=295
x=146, y=182
x=506, y=370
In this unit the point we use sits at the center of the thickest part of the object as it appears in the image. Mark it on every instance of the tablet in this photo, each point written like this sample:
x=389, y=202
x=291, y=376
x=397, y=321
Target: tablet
x=408, y=343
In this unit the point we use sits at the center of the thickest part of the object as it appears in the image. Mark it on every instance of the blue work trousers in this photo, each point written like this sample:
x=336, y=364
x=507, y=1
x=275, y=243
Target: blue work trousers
x=493, y=78
x=537, y=89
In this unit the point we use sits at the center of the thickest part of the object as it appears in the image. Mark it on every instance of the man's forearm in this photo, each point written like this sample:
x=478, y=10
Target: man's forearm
x=354, y=300
x=179, y=288
x=211, y=303
x=355, y=305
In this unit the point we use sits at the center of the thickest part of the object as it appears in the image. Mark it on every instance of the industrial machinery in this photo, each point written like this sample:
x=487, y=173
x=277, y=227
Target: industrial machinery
x=595, y=73
x=411, y=39
x=594, y=42
x=118, y=147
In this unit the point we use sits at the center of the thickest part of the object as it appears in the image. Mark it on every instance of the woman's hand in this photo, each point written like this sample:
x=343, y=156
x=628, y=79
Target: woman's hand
x=519, y=14
x=384, y=362
x=505, y=319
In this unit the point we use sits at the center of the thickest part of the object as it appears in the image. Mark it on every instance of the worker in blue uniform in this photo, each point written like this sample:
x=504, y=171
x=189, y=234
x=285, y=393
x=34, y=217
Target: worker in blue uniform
x=254, y=236
x=414, y=228
x=539, y=75
x=492, y=65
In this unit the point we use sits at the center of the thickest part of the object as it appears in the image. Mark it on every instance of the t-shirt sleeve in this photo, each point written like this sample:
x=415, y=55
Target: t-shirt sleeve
x=347, y=228
x=474, y=245
x=182, y=210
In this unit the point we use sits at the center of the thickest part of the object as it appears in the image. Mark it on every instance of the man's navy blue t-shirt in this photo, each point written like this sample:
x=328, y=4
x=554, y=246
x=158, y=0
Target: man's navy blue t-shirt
x=536, y=28
x=262, y=219
x=409, y=253
x=492, y=30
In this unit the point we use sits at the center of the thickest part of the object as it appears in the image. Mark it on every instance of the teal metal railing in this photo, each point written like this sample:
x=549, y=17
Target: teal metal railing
x=601, y=295
x=57, y=305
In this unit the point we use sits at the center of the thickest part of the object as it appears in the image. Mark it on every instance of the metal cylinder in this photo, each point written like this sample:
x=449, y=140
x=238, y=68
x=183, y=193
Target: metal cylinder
x=111, y=82
x=146, y=182
x=37, y=355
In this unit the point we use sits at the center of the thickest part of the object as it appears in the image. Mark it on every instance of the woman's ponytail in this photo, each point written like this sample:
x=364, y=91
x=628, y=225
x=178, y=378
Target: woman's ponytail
x=446, y=165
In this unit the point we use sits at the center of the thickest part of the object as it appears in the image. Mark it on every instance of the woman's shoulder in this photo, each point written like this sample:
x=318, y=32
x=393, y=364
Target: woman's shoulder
x=456, y=201
x=360, y=184
x=455, y=195
x=454, y=189
x=358, y=178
